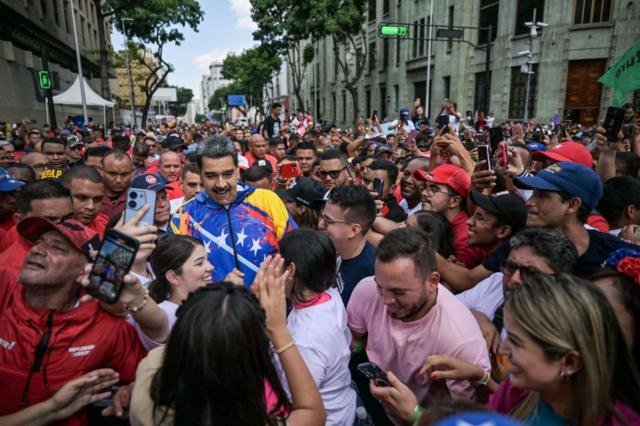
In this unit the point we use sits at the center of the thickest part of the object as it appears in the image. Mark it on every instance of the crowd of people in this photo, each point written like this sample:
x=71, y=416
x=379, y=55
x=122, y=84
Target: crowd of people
x=297, y=273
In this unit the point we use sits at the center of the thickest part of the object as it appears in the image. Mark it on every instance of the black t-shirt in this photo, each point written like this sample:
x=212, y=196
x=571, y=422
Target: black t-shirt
x=395, y=212
x=600, y=247
x=352, y=271
x=272, y=126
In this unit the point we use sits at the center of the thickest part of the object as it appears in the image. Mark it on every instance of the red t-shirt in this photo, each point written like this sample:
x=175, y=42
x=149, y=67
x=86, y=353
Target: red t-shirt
x=468, y=255
x=8, y=223
x=270, y=158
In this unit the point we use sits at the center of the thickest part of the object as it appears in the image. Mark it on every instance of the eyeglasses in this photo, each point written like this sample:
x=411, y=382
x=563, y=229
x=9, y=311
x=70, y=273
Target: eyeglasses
x=333, y=173
x=509, y=268
x=326, y=219
x=434, y=189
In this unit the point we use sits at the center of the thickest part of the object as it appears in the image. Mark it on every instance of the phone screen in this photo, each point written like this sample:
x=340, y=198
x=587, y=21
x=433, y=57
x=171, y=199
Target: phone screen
x=613, y=123
x=484, y=154
x=113, y=262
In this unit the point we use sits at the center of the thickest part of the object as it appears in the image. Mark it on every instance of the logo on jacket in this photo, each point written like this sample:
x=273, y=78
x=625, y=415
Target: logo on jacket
x=7, y=345
x=79, y=351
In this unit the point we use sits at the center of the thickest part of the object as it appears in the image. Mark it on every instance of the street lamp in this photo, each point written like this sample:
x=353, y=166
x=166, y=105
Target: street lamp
x=528, y=68
x=126, y=58
x=79, y=60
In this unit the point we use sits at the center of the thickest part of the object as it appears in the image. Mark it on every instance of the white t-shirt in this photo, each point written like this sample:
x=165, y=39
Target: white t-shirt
x=485, y=297
x=169, y=309
x=409, y=211
x=323, y=338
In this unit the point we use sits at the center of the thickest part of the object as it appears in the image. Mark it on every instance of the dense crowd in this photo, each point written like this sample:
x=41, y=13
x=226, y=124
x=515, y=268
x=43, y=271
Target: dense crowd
x=291, y=272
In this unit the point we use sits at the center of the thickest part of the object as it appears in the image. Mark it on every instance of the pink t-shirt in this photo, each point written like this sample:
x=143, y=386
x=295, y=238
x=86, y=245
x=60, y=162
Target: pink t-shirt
x=402, y=347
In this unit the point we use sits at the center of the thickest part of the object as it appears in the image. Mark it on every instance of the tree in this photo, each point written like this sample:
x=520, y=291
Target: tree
x=184, y=96
x=251, y=71
x=282, y=26
x=153, y=25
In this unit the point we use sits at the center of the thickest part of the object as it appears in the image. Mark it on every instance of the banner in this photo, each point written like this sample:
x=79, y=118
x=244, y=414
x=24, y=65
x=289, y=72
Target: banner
x=624, y=76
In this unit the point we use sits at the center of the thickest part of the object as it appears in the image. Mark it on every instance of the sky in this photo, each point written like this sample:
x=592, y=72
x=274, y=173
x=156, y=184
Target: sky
x=226, y=27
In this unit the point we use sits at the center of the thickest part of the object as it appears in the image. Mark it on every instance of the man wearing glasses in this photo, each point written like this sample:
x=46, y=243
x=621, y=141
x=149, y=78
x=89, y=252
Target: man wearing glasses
x=334, y=170
x=74, y=150
x=445, y=190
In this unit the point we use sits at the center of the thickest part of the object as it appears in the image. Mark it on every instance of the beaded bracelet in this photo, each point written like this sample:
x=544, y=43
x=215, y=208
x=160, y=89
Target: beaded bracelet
x=138, y=308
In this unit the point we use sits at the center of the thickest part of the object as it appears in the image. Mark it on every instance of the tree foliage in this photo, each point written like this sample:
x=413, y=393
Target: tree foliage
x=184, y=96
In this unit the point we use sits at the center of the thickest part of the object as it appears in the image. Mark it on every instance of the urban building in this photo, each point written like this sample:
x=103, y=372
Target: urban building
x=139, y=74
x=26, y=28
x=580, y=39
x=212, y=82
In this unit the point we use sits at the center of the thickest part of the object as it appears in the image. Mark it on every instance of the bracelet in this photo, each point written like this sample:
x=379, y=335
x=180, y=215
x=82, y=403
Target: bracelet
x=484, y=381
x=417, y=414
x=285, y=347
x=359, y=346
x=138, y=308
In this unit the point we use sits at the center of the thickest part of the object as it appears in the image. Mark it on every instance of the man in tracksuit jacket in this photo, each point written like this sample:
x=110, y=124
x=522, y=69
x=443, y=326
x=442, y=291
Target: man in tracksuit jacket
x=47, y=337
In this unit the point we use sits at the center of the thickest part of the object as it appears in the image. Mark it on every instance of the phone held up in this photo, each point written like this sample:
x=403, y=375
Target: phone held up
x=136, y=199
x=290, y=170
x=613, y=123
x=484, y=153
x=112, y=263
x=372, y=372
x=378, y=184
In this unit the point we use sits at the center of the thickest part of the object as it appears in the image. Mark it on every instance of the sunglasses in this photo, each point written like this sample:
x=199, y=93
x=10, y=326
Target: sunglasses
x=333, y=173
x=509, y=268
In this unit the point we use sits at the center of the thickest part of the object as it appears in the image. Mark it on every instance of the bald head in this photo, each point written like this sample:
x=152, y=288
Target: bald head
x=258, y=146
x=37, y=161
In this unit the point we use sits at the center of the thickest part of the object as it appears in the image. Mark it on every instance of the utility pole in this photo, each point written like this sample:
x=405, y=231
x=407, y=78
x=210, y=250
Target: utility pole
x=51, y=112
x=126, y=58
x=79, y=60
x=528, y=68
x=427, y=97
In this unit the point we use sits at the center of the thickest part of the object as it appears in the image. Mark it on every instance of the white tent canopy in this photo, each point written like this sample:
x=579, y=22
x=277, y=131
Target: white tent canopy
x=72, y=96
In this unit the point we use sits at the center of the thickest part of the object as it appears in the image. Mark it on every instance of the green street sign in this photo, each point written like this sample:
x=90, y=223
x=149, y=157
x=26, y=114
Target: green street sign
x=44, y=80
x=393, y=30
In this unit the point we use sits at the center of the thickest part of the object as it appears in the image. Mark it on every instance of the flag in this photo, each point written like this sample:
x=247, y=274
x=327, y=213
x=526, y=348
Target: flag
x=624, y=75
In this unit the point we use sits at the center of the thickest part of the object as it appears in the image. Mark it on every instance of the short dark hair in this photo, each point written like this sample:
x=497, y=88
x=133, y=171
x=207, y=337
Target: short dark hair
x=618, y=193
x=358, y=204
x=583, y=211
x=438, y=229
x=191, y=168
x=256, y=173
x=217, y=146
x=314, y=257
x=412, y=243
x=306, y=145
x=550, y=244
x=388, y=166
x=81, y=172
x=97, y=151
x=39, y=190
x=121, y=142
x=276, y=105
x=57, y=141
x=25, y=167
x=275, y=142
x=334, y=154
x=627, y=163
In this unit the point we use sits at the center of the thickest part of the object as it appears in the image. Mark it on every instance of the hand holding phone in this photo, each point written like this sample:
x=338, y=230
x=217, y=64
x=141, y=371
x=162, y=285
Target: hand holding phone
x=484, y=153
x=136, y=199
x=372, y=372
x=290, y=170
x=378, y=185
x=613, y=123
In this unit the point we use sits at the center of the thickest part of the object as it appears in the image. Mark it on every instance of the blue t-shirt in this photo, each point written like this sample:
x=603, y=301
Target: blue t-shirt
x=352, y=271
x=544, y=415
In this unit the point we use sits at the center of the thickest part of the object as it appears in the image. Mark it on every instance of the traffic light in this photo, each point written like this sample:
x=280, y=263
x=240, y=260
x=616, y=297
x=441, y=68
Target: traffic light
x=393, y=30
x=44, y=80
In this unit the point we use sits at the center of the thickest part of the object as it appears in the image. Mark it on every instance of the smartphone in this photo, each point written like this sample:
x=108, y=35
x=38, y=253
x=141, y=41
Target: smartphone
x=484, y=153
x=495, y=137
x=378, y=184
x=442, y=121
x=372, y=372
x=504, y=158
x=113, y=262
x=469, y=145
x=136, y=199
x=290, y=170
x=613, y=123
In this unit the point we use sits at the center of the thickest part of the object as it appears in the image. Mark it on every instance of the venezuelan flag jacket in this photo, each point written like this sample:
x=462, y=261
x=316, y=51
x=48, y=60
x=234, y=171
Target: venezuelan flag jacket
x=239, y=235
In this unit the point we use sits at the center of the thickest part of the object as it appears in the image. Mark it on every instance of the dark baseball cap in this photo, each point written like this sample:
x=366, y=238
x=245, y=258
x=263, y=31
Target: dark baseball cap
x=148, y=181
x=572, y=178
x=306, y=191
x=172, y=142
x=506, y=205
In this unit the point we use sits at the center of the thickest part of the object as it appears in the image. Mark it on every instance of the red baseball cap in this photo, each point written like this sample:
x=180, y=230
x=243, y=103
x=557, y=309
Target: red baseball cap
x=573, y=152
x=447, y=174
x=80, y=236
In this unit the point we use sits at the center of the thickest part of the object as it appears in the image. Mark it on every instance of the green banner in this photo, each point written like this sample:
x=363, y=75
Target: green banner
x=624, y=75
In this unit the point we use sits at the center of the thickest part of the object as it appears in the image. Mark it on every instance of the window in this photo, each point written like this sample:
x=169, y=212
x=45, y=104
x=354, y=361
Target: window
x=344, y=107
x=422, y=38
x=372, y=10
x=385, y=53
x=396, y=97
x=480, y=103
x=415, y=40
x=518, y=92
x=66, y=15
x=592, y=11
x=367, y=100
x=450, y=23
x=525, y=14
x=335, y=107
x=383, y=101
x=56, y=15
x=488, y=16
x=446, y=84
x=397, y=52
x=372, y=56
x=385, y=7
x=43, y=7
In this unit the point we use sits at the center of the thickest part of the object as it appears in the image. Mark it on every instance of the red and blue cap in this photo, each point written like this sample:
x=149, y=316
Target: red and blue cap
x=148, y=181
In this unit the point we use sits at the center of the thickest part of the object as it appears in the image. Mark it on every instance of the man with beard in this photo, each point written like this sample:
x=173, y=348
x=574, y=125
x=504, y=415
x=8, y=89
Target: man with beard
x=403, y=315
x=240, y=225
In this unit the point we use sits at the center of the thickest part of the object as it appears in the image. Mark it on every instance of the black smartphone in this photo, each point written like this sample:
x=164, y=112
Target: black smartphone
x=372, y=372
x=378, y=184
x=469, y=145
x=613, y=123
x=495, y=137
x=113, y=262
x=442, y=121
x=484, y=153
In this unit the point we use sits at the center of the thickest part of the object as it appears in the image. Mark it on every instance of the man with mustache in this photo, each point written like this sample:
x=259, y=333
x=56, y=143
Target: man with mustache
x=240, y=225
